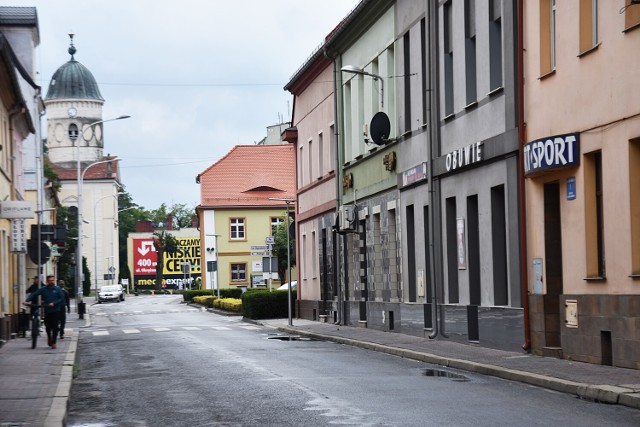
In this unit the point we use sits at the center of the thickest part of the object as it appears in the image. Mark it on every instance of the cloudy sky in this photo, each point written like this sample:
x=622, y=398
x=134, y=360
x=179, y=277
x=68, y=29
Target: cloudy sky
x=197, y=77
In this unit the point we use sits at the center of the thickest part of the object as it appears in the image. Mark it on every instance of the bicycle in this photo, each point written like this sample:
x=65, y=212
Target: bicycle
x=35, y=323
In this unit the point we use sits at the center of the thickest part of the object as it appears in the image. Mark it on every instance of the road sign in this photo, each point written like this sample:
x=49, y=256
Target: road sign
x=260, y=253
x=269, y=240
x=260, y=248
x=112, y=269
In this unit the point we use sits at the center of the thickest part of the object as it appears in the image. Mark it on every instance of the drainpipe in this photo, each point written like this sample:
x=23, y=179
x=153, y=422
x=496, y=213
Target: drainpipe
x=434, y=135
x=524, y=276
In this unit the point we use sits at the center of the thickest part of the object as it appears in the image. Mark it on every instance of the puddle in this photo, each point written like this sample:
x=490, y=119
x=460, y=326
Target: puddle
x=290, y=338
x=444, y=374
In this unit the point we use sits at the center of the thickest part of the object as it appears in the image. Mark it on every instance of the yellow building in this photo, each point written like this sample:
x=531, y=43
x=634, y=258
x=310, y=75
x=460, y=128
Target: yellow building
x=242, y=200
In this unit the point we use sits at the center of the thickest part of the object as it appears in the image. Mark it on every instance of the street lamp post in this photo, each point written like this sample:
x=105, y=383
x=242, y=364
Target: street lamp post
x=95, y=243
x=80, y=175
x=355, y=70
x=288, y=202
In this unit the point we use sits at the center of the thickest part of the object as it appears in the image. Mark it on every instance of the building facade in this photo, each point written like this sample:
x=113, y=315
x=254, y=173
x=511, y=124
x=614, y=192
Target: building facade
x=582, y=168
x=242, y=201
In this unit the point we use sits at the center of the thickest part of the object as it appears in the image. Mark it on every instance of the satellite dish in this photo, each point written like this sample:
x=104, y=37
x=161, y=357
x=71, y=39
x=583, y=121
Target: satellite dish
x=380, y=128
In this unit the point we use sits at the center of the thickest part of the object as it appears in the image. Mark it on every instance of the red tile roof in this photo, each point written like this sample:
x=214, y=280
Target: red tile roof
x=249, y=175
x=108, y=170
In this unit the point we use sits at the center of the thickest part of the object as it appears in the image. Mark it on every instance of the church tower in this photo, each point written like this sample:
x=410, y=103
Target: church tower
x=74, y=105
x=75, y=141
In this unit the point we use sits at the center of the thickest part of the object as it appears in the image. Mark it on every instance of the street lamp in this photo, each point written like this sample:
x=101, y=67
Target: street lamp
x=80, y=175
x=95, y=237
x=288, y=202
x=355, y=70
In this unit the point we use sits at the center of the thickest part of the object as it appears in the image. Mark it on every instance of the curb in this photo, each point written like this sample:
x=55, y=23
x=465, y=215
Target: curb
x=627, y=396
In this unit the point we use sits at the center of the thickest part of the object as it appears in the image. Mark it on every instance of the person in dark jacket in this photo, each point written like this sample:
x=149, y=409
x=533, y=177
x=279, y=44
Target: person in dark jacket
x=35, y=285
x=65, y=308
x=52, y=298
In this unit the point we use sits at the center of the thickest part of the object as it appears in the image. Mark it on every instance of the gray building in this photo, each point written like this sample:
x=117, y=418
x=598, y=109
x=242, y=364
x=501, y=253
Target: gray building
x=475, y=172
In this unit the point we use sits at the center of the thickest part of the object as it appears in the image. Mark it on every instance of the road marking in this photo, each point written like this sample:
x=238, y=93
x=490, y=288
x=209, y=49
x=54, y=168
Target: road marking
x=99, y=333
x=119, y=312
x=131, y=331
x=250, y=328
x=138, y=311
x=191, y=328
x=161, y=329
x=220, y=328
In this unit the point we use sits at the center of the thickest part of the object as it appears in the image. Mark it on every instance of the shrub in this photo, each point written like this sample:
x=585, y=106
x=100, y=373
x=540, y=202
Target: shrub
x=262, y=304
x=224, y=293
x=228, y=304
x=206, y=300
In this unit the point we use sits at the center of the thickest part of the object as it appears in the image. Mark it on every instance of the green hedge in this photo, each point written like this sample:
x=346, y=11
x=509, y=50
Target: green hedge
x=262, y=304
x=224, y=293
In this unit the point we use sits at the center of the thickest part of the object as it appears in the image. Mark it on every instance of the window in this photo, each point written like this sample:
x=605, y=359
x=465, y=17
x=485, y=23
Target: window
x=320, y=156
x=448, y=59
x=73, y=131
x=588, y=25
x=423, y=64
x=310, y=160
x=334, y=147
x=407, y=81
x=495, y=44
x=634, y=186
x=547, y=36
x=237, y=228
x=470, y=49
x=301, y=171
x=303, y=254
x=275, y=221
x=239, y=272
x=631, y=16
x=314, y=255
x=594, y=221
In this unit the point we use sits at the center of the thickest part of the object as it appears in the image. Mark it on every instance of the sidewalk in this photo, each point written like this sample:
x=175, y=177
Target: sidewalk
x=36, y=383
x=593, y=382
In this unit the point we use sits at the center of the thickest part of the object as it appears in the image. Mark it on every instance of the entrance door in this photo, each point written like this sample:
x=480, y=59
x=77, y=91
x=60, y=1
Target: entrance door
x=553, y=264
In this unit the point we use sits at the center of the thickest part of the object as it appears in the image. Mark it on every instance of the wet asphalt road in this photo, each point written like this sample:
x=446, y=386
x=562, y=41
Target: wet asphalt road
x=152, y=361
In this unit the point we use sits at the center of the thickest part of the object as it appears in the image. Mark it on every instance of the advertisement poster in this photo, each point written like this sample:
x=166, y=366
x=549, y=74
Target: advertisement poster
x=145, y=260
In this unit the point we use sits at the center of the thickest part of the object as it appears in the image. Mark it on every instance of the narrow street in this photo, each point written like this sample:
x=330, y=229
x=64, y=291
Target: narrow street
x=153, y=361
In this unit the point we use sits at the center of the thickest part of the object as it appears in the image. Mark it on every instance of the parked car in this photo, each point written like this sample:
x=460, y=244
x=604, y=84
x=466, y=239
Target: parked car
x=111, y=293
x=284, y=287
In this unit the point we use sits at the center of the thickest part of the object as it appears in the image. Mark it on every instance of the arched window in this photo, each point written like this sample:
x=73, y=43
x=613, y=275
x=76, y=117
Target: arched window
x=73, y=131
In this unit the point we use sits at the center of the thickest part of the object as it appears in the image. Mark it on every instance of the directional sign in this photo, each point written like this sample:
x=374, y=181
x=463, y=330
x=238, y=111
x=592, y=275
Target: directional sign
x=260, y=253
x=260, y=248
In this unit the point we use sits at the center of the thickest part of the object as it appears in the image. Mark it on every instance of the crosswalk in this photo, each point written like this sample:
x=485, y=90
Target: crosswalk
x=142, y=312
x=131, y=331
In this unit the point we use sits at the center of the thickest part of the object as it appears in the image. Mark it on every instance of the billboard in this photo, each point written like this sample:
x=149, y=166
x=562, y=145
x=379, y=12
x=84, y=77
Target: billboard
x=145, y=260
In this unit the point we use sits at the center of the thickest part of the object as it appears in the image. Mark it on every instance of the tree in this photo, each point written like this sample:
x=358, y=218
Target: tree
x=163, y=242
x=178, y=211
x=280, y=248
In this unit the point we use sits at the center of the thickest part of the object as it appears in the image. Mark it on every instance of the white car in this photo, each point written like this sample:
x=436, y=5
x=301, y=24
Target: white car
x=111, y=293
x=284, y=287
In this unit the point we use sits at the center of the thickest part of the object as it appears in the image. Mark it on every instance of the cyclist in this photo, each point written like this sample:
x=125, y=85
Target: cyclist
x=52, y=299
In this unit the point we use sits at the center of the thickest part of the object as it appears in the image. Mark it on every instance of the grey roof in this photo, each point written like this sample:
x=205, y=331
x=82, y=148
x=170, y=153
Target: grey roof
x=15, y=16
x=73, y=81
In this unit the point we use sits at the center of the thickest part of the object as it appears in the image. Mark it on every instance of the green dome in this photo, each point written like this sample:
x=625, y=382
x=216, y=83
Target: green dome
x=73, y=81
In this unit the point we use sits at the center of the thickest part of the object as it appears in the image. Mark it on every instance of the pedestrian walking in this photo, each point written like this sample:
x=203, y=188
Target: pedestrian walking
x=65, y=308
x=52, y=299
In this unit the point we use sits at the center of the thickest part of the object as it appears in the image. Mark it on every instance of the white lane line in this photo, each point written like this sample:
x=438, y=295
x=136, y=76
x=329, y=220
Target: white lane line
x=161, y=329
x=131, y=331
x=220, y=328
x=250, y=328
x=191, y=328
x=100, y=333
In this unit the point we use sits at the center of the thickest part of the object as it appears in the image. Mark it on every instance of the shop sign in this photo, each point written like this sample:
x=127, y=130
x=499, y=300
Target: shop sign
x=16, y=209
x=415, y=174
x=464, y=156
x=552, y=152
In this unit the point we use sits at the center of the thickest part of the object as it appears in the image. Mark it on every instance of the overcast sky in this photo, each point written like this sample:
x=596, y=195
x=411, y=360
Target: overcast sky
x=197, y=77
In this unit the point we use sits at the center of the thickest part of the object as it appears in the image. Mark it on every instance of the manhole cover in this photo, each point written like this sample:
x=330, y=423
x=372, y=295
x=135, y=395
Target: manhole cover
x=444, y=374
x=290, y=338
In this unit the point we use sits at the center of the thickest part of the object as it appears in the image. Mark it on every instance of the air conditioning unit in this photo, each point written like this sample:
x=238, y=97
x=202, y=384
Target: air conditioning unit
x=348, y=217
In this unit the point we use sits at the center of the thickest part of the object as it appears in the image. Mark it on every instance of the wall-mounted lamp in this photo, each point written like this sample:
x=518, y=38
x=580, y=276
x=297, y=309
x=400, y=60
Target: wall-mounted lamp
x=355, y=70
